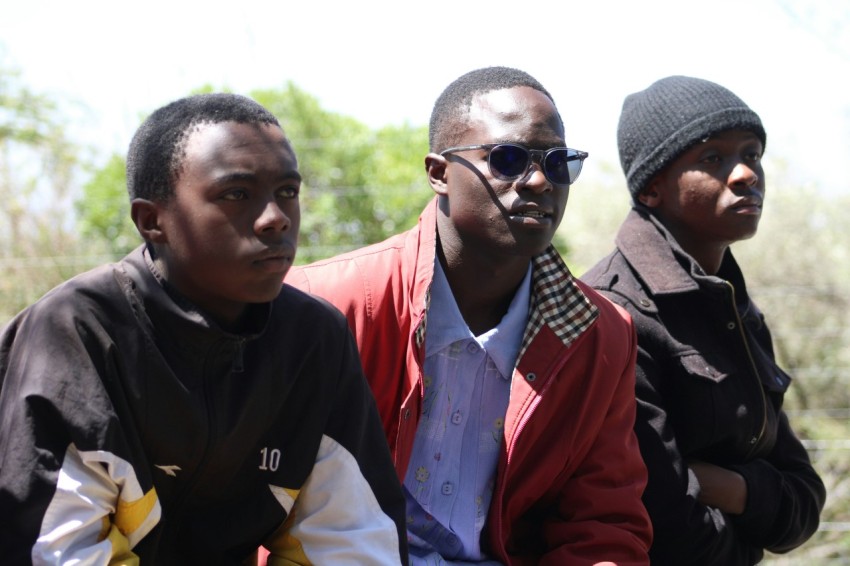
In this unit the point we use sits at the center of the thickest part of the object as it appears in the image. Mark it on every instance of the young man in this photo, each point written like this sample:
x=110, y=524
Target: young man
x=179, y=407
x=504, y=385
x=728, y=478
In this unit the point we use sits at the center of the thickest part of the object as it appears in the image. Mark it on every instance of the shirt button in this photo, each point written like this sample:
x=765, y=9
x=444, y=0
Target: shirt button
x=531, y=376
x=730, y=325
x=406, y=414
x=753, y=440
x=447, y=488
x=472, y=347
x=457, y=417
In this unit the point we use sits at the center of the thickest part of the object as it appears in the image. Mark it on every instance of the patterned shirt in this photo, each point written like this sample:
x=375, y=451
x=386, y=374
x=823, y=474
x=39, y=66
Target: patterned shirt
x=450, y=477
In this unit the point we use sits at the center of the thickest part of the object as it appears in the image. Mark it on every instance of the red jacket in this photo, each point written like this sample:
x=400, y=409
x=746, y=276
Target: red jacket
x=570, y=479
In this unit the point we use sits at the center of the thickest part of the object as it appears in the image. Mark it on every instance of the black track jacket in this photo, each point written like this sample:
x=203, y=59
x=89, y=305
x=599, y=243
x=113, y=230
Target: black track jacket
x=133, y=428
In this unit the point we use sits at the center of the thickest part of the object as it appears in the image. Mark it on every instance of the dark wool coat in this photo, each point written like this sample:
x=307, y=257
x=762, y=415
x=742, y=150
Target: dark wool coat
x=709, y=389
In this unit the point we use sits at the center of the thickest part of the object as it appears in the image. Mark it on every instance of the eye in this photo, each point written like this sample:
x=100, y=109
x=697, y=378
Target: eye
x=753, y=156
x=289, y=191
x=235, y=194
x=711, y=157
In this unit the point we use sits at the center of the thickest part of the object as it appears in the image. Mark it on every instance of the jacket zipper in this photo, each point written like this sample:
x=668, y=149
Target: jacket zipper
x=189, y=486
x=754, y=442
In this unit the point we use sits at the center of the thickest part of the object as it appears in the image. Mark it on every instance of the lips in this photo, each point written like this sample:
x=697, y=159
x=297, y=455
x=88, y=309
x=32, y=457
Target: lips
x=748, y=202
x=272, y=255
x=748, y=205
x=532, y=212
x=276, y=258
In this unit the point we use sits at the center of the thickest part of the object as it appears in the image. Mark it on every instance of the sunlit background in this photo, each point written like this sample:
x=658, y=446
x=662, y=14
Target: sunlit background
x=76, y=78
x=385, y=62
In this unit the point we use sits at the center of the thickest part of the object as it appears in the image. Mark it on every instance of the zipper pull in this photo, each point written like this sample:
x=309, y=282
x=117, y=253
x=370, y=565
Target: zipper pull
x=238, y=365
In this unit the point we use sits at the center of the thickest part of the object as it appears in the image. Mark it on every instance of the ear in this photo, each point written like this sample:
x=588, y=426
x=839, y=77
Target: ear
x=650, y=196
x=436, y=165
x=146, y=217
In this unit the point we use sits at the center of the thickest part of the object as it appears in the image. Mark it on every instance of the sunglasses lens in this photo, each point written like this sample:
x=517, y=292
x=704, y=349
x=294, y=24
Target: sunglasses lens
x=557, y=166
x=562, y=166
x=508, y=161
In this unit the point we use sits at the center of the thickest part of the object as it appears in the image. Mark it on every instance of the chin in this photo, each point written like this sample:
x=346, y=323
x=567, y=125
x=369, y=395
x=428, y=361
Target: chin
x=749, y=234
x=268, y=294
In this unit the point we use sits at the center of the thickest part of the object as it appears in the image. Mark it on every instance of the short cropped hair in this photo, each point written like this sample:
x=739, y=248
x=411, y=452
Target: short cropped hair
x=451, y=110
x=156, y=153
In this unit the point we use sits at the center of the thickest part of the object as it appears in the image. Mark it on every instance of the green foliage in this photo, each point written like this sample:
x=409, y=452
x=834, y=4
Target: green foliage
x=104, y=209
x=36, y=163
x=37, y=168
x=800, y=275
x=27, y=118
x=360, y=185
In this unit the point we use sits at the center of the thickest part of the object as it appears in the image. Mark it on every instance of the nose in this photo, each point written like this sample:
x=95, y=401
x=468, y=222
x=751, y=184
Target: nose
x=743, y=175
x=534, y=179
x=272, y=218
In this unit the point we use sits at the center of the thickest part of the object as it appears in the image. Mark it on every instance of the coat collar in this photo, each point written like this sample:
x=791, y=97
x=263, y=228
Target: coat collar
x=174, y=315
x=663, y=265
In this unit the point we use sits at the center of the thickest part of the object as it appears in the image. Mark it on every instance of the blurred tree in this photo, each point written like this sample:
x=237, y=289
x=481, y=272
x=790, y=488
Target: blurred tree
x=37, y=166
x=104, y=210
x=359, y=185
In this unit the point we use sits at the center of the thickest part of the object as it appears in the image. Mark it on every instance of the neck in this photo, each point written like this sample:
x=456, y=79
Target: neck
x=483, y=292
x=709, y=257
x=708, y=254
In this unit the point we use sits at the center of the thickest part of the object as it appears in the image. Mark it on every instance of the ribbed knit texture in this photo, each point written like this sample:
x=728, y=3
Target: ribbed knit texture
x=658, y=124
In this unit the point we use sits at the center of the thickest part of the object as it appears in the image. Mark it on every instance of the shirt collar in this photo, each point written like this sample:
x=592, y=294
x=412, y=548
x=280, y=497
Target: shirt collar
x=446, y=324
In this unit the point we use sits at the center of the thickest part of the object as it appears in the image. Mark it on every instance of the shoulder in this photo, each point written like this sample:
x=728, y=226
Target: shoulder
x=88, y=296
x=613, y=277
x=354, y=268
x=616, y=280
x=295, y=305
x=75, y=323
x=613, y=322
x=608, y=271
x=603, y=304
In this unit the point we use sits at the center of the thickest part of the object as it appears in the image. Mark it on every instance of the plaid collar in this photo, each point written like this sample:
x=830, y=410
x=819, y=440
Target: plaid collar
x=556, y=301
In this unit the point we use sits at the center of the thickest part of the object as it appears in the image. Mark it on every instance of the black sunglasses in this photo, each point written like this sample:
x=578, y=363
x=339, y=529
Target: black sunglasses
x=511, y=161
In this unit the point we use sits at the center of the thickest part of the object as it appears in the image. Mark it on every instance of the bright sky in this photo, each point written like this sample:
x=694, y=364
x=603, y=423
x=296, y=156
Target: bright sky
x=385, y=61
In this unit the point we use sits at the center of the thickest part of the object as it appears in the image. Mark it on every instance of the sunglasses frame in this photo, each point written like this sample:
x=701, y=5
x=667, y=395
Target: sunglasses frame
x=538, y=155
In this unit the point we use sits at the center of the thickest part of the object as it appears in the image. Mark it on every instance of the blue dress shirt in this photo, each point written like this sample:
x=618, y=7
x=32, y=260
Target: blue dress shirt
x=449, y=481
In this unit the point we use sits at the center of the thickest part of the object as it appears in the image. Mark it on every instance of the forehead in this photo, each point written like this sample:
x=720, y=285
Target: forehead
x=520, y=114
x=226, y=143
x=234, y=135
x=727, y=140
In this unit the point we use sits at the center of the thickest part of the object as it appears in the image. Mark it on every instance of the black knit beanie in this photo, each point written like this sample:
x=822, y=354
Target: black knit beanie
x=658, y=124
